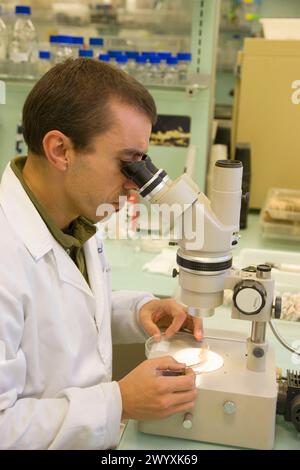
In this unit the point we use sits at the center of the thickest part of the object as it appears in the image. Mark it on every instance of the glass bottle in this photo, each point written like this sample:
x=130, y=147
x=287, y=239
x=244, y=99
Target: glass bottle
x=171, y=76
x=23, y=43
x=44, y=62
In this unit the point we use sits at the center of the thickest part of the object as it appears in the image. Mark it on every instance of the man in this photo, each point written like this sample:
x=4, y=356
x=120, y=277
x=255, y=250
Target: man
x=81, y=121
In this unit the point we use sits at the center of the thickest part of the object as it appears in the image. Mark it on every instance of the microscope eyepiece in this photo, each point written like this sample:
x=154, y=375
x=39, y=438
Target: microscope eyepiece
x=145, y=175
x=137, y=172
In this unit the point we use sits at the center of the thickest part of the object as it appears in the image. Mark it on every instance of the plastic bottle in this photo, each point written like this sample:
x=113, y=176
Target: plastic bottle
x=122, y=63
x=77, y=43
x=61, y=48
x=113, y=54
x=184, y=61
x=171, y=75
x=148, y=56
x=153, y=75
x=87, y=53
x=44, y=62
x=164, y=56
x=131, y=64
x=140, y=69
x=23, y=44
x=97, y=44
x=3, y=39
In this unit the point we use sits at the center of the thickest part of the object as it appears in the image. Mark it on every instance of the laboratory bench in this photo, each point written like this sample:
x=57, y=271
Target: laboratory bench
x=127, y=261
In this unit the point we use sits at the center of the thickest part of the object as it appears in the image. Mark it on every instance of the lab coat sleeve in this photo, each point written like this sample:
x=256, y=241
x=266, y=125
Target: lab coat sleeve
x=126, y=327
x=87, y=418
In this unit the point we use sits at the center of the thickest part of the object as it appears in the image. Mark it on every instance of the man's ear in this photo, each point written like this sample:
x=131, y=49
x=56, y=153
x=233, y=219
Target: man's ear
x=56, y=147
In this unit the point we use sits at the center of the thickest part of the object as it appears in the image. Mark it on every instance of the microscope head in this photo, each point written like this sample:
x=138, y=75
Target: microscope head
x=204, y=256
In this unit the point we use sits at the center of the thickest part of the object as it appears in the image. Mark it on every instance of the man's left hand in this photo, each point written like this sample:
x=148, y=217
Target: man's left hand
x=168, y=314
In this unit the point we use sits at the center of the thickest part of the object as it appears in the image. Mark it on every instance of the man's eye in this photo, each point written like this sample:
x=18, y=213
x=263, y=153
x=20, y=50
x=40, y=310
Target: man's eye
x=137, y=158
x=132, y=158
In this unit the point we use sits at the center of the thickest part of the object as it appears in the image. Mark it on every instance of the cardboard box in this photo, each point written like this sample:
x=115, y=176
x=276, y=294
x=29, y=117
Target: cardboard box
x=267, y=113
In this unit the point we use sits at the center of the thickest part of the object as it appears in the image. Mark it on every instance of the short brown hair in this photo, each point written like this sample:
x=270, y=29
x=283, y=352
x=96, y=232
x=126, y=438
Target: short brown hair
x=73, y=97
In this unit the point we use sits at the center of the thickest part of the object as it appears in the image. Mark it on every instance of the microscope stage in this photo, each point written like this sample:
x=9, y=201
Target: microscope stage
x=235, y=406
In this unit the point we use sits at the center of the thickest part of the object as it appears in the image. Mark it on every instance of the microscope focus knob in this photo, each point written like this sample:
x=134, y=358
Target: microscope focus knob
x=249, y=297
x=229, y=407
x=277, y=308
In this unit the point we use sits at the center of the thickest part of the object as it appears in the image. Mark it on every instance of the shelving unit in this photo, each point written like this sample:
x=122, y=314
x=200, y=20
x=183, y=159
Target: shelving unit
x=195, y=101
x=225, y=76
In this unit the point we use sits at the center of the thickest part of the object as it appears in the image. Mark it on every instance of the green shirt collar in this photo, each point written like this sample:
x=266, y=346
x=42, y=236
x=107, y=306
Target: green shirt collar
x=78, y=232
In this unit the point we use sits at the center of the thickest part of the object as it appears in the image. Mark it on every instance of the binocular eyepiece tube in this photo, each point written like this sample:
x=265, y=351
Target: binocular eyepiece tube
x=145, y=175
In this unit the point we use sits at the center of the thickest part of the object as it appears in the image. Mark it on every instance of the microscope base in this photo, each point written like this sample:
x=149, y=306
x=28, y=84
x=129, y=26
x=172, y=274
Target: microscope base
x=235, y=406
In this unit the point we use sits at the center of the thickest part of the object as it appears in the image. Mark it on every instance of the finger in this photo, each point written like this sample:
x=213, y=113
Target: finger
x=175, y=399
x=198, y=328
x=177, y=322
x=190, y=371
x=151, y=328
x=157, y=316
x=195, y=325
x=168, y=362
x=178, y=409
x=181, y=383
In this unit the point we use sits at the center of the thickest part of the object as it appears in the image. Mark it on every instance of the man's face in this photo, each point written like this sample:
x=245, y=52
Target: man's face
x=95, y=178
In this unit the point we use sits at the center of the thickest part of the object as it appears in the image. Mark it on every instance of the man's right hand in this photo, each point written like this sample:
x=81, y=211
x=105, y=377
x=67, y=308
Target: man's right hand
x=147, y=394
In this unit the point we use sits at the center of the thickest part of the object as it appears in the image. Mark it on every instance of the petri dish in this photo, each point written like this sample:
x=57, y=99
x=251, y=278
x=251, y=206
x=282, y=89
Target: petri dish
x=184, y=348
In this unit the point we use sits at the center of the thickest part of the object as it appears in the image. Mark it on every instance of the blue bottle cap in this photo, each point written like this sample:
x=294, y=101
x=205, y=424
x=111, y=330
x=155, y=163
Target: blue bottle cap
x=114, y=53
x=53, y=39
x=22, y=9
x=131, y=54
x=164, y=55
x=172, y=61
x=104, y=57
x=141, y=60
x=86, y=53
x=64, y=39
x=148, y=55
x=44, y=55
x=78, y=40
x=186, y=56
x=121, y=59
x=154, y=60
x=96, y=41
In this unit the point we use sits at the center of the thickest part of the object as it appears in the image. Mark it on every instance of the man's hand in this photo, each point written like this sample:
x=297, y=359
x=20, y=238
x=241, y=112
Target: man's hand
x=147, y=394
x=168, y=314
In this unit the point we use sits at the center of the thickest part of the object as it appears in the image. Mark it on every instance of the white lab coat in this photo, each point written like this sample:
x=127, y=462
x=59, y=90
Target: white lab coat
x=55, y=335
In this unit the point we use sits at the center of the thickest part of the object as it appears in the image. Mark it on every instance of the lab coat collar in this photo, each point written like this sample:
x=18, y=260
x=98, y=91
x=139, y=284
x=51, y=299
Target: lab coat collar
x=30, y=227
